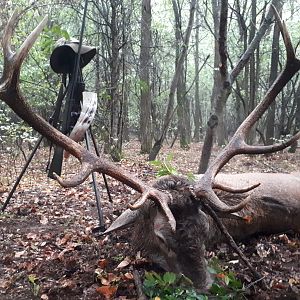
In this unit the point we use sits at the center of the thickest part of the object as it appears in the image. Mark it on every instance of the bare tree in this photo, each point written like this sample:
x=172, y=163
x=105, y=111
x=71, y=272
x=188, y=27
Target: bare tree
x=170, y=109
x=197, y=108
x=227, y=78
x=199, y=224
x=145, y=64
x=114, y=37
x=270, y=122
x=183, y=103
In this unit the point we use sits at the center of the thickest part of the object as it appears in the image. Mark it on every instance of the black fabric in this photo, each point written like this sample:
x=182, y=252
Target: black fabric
x=63, y=57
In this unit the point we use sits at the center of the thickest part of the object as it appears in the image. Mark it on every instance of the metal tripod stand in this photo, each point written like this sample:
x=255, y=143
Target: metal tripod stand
x=72, y=103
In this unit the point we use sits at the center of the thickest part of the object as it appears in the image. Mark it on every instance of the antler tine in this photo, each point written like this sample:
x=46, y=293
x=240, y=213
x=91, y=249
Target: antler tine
x=86, y=170
x=28, y=43
x=25, y=47
x=213, y=200
x=229, y=189
x=7, y=35
x=250, y=149
x=292, y=66
x=237, y=145
x=285, y=35
x=91, y=163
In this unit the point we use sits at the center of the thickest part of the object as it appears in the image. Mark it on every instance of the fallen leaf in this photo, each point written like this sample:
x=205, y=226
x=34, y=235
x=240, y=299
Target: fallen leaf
x=64, y=240
x=68, y=283
x=20, y=253
x=284, y=238
x=293, y=281
x=124, y=263
x=280, y=286
x=128, y=276
x=104, y=281
x=262, y=251
x=102, y=263
x=107, y=291
x=112, y=277
x=4, y=284
x=236, y=261
x=44, y=220
x=31, y=236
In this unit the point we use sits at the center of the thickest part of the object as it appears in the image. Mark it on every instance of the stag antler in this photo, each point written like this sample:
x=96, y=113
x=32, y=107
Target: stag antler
x=10, y=93
x=203, y=189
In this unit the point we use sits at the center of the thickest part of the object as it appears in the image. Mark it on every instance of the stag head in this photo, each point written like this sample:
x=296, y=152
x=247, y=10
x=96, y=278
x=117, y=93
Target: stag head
x=182, y=251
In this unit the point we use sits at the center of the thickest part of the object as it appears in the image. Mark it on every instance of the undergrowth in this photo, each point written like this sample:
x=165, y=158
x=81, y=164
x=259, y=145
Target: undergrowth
x=169, y=286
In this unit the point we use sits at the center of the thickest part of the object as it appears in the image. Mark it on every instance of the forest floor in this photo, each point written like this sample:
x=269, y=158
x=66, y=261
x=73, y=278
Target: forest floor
x=48, y=249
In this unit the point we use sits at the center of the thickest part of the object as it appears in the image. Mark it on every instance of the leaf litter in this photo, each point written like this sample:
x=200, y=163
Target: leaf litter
x=48, y=249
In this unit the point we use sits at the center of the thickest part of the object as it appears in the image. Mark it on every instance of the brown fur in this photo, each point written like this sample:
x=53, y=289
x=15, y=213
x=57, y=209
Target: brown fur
x=275, y=207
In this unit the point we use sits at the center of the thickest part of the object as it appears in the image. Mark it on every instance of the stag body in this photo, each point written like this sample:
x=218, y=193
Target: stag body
x=274, y=207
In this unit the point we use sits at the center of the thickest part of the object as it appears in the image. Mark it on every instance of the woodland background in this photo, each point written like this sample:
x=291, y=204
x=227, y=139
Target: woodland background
x=139, y=47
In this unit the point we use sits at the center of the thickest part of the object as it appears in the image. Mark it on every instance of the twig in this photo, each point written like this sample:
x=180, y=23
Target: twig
x=139, y=287
x=254, y=282
x=233, y=244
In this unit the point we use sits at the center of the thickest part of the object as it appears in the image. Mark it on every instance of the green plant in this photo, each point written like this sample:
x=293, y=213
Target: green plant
x=164, y=167
x=170, y=286
x=50, y=35
x=12, y=133
x=34, y=285
x=226, y=285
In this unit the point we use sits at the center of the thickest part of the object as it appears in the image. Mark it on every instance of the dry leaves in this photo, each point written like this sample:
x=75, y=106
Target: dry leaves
x=107, y=291
x=48, y=232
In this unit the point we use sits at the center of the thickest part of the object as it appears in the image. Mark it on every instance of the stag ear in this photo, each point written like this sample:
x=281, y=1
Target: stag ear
x=127, y=218
x=160, y=224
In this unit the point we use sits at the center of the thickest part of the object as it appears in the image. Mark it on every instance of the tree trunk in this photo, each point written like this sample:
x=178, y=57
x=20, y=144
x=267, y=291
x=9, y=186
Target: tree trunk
x=208, y=142
x=197, y=111
x=226, y=88
x=297, y=118
x=183, y=114
x=145, y=100
x=170, y=110
x=216, y=85
x=182, y=103
x=270, y=123
x=115, y=151
x=252, y=71
x=220, y=102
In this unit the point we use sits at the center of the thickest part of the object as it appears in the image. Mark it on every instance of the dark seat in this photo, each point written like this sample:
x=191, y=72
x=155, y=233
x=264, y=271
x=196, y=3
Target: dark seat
x=63, y=57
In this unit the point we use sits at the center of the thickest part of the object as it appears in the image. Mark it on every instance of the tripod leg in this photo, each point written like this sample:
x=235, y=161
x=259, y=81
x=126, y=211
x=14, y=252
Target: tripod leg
x=98, y=154
x=107, y=188
x=22, y=173
x=97, y=195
